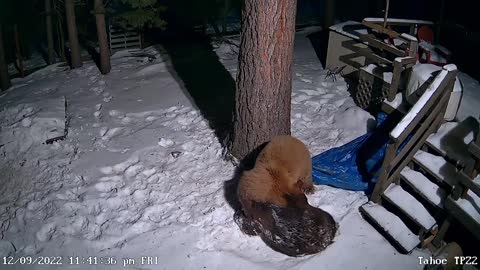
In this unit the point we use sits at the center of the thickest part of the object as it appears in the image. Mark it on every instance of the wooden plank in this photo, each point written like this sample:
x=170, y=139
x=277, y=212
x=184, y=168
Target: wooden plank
x=392, y=225
x=397, y=72
x=416, y=113
x=347, y=60
x=372, y=41
x=424, y=187
x=128, y=45
x=399, y=22
x=467, y=220
x=383, y=180
x=381, y=29
x=420, y=131
x=409, y=157
x=367, y=52
x=118, y=40
x=410, y=206
x=469, y=183
x=438, y=167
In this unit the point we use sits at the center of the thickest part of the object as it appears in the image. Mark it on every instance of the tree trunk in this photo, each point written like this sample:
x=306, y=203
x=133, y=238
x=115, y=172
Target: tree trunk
x=18, y=52
x=61, y=40
x=264, y=80
x=102, y=37
x=329, y=13
x=48, y=12
x=4, y=78
x=72, y=34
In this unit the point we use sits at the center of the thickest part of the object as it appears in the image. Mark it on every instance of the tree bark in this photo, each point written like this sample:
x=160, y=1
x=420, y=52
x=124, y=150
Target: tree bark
x=264, y=80
x=4, y=78
x=72, y=34
x=50, y=50
x=102, y=37
x=18, y=52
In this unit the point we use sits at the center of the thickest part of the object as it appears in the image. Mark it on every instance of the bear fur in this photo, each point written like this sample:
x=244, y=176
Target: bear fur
x=282, y=169
x=274, y=205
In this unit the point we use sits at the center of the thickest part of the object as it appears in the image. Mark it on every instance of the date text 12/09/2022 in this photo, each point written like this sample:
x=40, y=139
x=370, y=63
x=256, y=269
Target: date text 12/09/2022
x=78, y=260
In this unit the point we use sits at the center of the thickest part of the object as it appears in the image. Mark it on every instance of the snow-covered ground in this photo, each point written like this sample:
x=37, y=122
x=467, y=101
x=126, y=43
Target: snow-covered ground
x=141, y=172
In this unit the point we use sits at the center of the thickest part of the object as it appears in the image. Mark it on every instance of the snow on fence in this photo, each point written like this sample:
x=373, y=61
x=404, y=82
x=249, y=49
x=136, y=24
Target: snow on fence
x=127, y=38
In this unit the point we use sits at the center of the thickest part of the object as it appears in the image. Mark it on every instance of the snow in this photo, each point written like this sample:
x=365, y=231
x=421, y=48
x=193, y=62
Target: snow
x=470, y=98
x=342, y=28
x=470, y=204
x=396, y=102
x=394, y=20
x=392, y=225
x=417, y=107
x=380, y=72
x=427, y=189
x=438, y=166
x=452, y=139
x=422, y=73
x=409, y=205
x=142, y=173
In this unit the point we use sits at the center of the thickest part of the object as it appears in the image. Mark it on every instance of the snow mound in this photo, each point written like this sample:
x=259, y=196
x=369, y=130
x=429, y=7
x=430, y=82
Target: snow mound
x=23, y=125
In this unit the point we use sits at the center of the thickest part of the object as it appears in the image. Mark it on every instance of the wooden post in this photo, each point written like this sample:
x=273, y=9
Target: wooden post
x=383, y=182
x=386, y=13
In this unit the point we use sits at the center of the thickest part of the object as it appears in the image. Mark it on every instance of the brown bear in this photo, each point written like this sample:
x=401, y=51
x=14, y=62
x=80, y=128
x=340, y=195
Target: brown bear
x=282, y=169
x=274, y=205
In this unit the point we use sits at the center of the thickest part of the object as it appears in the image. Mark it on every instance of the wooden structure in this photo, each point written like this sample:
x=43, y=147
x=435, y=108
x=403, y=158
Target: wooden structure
x=351, y=32
x=121, y=39
x=397, y=174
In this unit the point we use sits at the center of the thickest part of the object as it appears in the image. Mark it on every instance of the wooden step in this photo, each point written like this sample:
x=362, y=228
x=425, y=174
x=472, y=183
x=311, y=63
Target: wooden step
x=452, y=139
x=437, y=166
x=467, y=211
x=410, y=206
x=392, y=225
x=424, y=187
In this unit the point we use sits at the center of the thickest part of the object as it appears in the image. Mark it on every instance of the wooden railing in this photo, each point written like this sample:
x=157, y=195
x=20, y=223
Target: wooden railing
x=410, y=134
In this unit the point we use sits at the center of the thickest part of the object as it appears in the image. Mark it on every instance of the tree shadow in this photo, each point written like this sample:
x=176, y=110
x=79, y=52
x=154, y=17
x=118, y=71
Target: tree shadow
x=94, y=54
x=319, y=42
x=204, y=79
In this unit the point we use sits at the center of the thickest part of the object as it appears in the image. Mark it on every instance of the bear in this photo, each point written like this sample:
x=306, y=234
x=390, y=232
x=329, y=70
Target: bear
x=282, y=169
x=274, y=204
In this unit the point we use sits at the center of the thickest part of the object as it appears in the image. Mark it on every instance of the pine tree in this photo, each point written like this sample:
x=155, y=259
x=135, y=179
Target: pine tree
x=99, y=10
x=142, y=14
x=264, y=80
x=72, y=34
x=49, y=25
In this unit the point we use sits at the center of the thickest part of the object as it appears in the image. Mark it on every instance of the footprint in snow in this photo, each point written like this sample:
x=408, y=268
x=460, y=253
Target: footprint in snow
x=306, y=80
x=310, y=92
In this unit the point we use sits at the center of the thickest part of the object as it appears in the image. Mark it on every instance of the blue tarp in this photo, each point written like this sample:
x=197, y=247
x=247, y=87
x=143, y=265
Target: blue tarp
x=355, y=165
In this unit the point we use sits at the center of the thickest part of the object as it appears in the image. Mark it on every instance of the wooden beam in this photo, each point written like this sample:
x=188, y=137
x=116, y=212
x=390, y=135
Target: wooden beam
x=444, y=84
x=381, y=29
x=372, y=41
x=420, y=131
x=383, y=179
